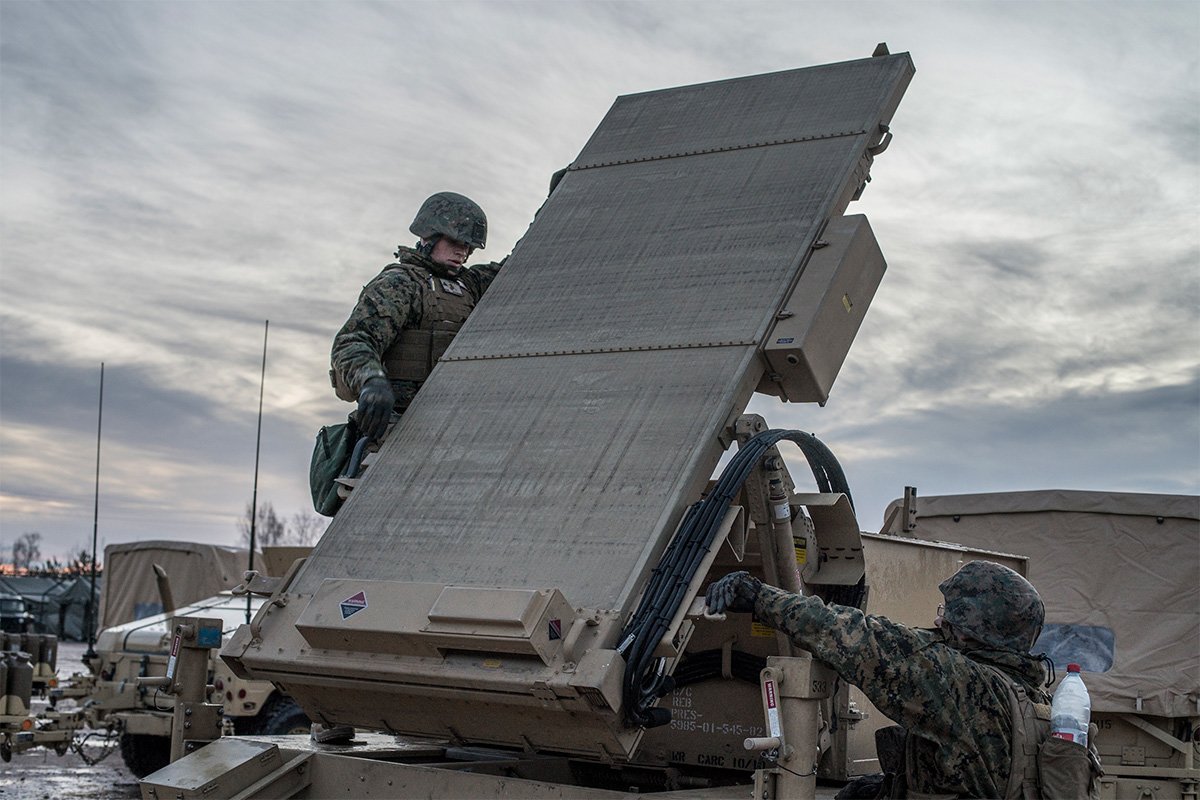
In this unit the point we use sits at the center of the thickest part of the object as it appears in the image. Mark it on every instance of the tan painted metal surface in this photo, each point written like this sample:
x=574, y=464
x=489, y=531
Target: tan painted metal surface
x=584, y=405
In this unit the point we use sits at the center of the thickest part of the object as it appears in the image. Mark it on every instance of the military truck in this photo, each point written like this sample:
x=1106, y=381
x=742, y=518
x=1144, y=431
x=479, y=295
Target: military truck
x=145, y=580
x=513, y=586
x=14, y=617
x=143, y=716
x=1120, y=575
x=134, y=572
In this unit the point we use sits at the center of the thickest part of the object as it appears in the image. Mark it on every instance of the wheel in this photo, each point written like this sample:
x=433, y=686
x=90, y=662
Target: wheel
x=279, y=716
x=144, y=753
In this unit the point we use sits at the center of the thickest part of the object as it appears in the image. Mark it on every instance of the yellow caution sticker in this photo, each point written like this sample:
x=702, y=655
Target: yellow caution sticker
x=491, y=663
x=801, y=555
x=758, y=629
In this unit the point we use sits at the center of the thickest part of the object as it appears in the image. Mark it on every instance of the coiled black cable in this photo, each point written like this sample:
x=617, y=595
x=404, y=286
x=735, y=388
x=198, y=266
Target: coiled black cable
x=707, y=664
x=669, y=580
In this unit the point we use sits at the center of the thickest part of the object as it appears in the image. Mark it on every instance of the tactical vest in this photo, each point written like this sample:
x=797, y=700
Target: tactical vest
x=1040, y=766
x=445, y=305
x=1031, y=727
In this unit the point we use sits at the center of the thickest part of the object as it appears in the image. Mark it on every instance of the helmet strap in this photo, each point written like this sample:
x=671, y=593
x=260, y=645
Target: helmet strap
x=425, y=246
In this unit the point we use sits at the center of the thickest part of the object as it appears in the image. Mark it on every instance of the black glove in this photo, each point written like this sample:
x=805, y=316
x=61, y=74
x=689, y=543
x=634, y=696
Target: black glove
x=735, y=592
x=375, y=403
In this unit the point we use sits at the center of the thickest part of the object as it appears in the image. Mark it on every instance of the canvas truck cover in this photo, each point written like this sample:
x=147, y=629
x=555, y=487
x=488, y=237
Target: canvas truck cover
x=196, y=571
x=543, y=467
x=1119, y=574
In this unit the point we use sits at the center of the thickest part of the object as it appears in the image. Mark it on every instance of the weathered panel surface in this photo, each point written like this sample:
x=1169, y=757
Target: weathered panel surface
x=516, y=468
x=578, y=412
x=831, y=99
x=556, y=477
x=678, y=252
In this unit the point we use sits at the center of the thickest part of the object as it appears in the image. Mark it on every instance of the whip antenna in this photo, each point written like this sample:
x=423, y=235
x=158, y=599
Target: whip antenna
x=257, y=449
x=91, y=651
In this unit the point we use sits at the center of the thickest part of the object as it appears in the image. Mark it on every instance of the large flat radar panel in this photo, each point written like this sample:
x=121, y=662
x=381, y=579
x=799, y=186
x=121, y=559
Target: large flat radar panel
x=693, y=206
x=759, y=110
x=557, y=478
x=678, y=230
x=583, y=405
x=698, y=249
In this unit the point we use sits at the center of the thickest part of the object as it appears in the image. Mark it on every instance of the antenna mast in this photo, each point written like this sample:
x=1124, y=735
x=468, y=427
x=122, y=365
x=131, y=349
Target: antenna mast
x=257, y=449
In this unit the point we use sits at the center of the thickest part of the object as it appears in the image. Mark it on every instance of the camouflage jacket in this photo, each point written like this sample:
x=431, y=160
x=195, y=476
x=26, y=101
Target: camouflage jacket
x=388, y=305
x=958, y=708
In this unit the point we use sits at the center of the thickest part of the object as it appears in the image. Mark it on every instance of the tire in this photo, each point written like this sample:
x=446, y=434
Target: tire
x=280, y=716
x=144, y=753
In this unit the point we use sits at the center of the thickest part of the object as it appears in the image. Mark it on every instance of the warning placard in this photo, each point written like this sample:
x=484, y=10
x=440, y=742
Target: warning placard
x=353, y=604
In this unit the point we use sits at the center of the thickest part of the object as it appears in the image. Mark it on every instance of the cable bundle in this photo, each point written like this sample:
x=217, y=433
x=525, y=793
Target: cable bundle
x=707, y=664
x=669, y=581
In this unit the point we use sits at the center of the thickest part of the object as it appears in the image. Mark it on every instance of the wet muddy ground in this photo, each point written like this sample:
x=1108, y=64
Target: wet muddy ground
x=41, y=774
x=37, y=774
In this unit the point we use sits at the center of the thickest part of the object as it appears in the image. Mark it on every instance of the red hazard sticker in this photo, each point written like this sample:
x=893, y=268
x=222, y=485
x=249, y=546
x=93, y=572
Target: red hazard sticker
x=353, y=604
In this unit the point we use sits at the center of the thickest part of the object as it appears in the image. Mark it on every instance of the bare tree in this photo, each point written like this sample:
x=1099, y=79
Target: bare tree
x=269, y=529
x=81, y=563
x=306, y=528
x=26, y=550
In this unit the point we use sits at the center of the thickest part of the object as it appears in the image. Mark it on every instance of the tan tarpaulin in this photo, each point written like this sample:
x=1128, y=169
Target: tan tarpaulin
x=1125, y=562
x=196, y=571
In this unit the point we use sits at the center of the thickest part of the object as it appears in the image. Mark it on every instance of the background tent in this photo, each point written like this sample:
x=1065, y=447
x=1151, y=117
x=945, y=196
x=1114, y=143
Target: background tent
x=60, y=604
x=1120, y=576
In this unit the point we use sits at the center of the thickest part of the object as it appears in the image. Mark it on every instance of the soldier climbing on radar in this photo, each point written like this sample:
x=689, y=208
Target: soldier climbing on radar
x=403, y=322
x=953, y=688
x=405, y=318
x=407, y=315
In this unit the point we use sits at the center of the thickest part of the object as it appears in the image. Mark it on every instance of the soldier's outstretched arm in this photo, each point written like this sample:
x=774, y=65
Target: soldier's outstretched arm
x=906, y=672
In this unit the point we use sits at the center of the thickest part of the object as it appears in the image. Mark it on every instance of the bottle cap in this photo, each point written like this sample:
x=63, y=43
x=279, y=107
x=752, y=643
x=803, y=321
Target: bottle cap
x=1072, y=668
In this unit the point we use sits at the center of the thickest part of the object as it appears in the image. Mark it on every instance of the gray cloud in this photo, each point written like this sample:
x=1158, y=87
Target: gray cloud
x=175, y=173
x=1141, y=441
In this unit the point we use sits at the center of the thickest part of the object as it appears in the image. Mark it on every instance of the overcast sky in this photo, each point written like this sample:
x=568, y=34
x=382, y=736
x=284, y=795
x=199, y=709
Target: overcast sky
x=173, y=174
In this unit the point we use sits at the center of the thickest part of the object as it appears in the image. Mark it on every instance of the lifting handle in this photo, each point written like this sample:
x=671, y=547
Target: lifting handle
x=763, y=743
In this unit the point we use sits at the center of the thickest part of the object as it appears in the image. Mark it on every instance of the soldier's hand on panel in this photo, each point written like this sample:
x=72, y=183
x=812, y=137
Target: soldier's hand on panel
x=375, y=403
x=735, y=592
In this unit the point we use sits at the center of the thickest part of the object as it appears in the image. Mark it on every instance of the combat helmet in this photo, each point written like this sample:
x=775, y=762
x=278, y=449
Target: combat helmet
x=453, y=215
x=994, y=606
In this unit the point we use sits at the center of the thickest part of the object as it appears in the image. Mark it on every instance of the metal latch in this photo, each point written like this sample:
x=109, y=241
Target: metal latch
x=853, y=714
x=257, y=584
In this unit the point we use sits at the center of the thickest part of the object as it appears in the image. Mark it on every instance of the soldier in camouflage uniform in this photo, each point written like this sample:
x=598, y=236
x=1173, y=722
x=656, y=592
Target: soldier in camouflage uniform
x=951, y=687
x=408, y=314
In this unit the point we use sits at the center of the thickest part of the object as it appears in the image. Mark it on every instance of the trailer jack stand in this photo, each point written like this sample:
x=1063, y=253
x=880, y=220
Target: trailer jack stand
x=196, y=722
x=792, y=691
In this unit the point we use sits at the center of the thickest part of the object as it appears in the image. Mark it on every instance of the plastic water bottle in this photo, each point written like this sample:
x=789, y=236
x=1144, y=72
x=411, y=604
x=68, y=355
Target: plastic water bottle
x=1071, y=708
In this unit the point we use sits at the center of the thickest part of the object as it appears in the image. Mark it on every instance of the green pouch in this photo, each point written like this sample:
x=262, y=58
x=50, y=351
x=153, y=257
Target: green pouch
x=330, y=454
x=1068, y=771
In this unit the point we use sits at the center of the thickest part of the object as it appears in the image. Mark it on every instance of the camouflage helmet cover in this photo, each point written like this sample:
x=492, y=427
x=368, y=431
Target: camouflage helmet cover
x=993, y=605
x=453, y=215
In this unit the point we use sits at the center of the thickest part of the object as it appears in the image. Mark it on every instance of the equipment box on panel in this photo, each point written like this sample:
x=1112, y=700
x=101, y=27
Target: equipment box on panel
x=813, y=331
